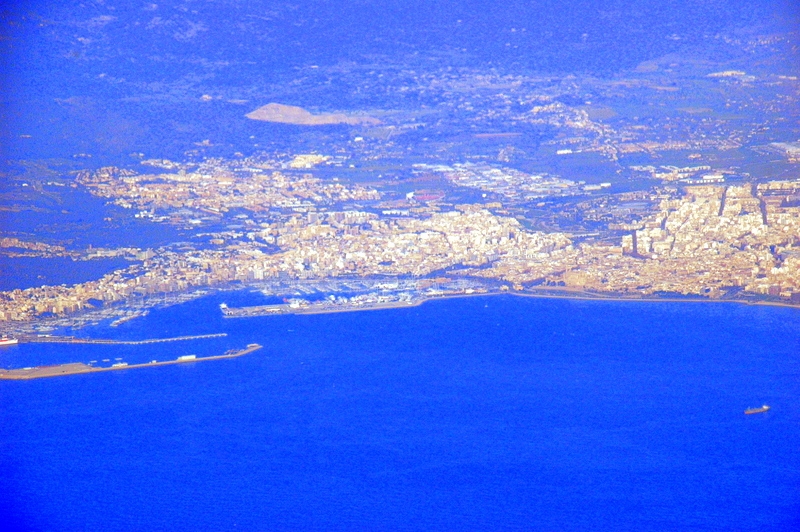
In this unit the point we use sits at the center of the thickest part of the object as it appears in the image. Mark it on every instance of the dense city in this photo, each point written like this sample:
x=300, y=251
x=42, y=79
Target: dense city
x=644, y=185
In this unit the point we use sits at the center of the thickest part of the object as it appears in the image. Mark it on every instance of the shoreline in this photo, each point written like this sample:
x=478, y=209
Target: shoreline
x=543, y=293
x=566, y=294
x=592, y=296
x=75, y=368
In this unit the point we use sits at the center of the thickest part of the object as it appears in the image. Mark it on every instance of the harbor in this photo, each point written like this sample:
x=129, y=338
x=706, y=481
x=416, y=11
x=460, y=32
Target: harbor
x=408, y=299
x=75, y=368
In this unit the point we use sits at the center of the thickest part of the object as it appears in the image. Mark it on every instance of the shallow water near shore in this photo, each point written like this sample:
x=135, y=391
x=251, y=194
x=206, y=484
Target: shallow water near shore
x=476, y=413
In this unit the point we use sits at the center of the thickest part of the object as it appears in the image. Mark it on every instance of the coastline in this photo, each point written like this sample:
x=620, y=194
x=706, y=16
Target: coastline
x=550, y=293
x=594, y=296
x=75, y=368
x=27, y=331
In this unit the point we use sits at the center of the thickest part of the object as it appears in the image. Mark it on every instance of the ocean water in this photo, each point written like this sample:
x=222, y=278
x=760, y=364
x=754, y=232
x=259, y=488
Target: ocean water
x=484, y=413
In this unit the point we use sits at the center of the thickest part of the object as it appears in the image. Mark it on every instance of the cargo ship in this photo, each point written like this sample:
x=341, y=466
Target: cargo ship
x=5, y=340
x=759, y=410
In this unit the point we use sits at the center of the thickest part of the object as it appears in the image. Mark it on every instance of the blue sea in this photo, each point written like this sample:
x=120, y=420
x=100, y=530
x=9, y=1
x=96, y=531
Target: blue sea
x=484, y=413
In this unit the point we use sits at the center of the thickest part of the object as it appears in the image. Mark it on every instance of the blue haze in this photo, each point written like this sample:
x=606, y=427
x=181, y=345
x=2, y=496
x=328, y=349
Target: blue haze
x=492, y=413
x=117, y=77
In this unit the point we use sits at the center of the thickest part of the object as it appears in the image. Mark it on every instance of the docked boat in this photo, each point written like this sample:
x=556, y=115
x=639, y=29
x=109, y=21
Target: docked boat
x=759, y=410
x=5, y=340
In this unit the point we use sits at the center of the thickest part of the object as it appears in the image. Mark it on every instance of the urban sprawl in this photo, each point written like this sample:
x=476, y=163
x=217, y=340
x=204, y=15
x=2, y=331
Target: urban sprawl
x=433, y=214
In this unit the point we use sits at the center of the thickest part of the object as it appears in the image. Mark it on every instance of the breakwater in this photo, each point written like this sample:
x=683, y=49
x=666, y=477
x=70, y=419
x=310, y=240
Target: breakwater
x=76, y=340
x=75, y=368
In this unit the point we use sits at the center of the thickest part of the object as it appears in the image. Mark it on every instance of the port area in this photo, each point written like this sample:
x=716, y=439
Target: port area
x=48, y=339
x=75, y=368
x=413, y=298
x=323, y=307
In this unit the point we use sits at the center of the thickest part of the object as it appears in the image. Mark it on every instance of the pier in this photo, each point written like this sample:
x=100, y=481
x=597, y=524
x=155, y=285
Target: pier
x=322, y=307
x=75, y=340
x=75, y=368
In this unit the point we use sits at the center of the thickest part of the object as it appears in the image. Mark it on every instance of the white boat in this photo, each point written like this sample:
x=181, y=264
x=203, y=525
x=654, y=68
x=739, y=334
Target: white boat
x=5, y=340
